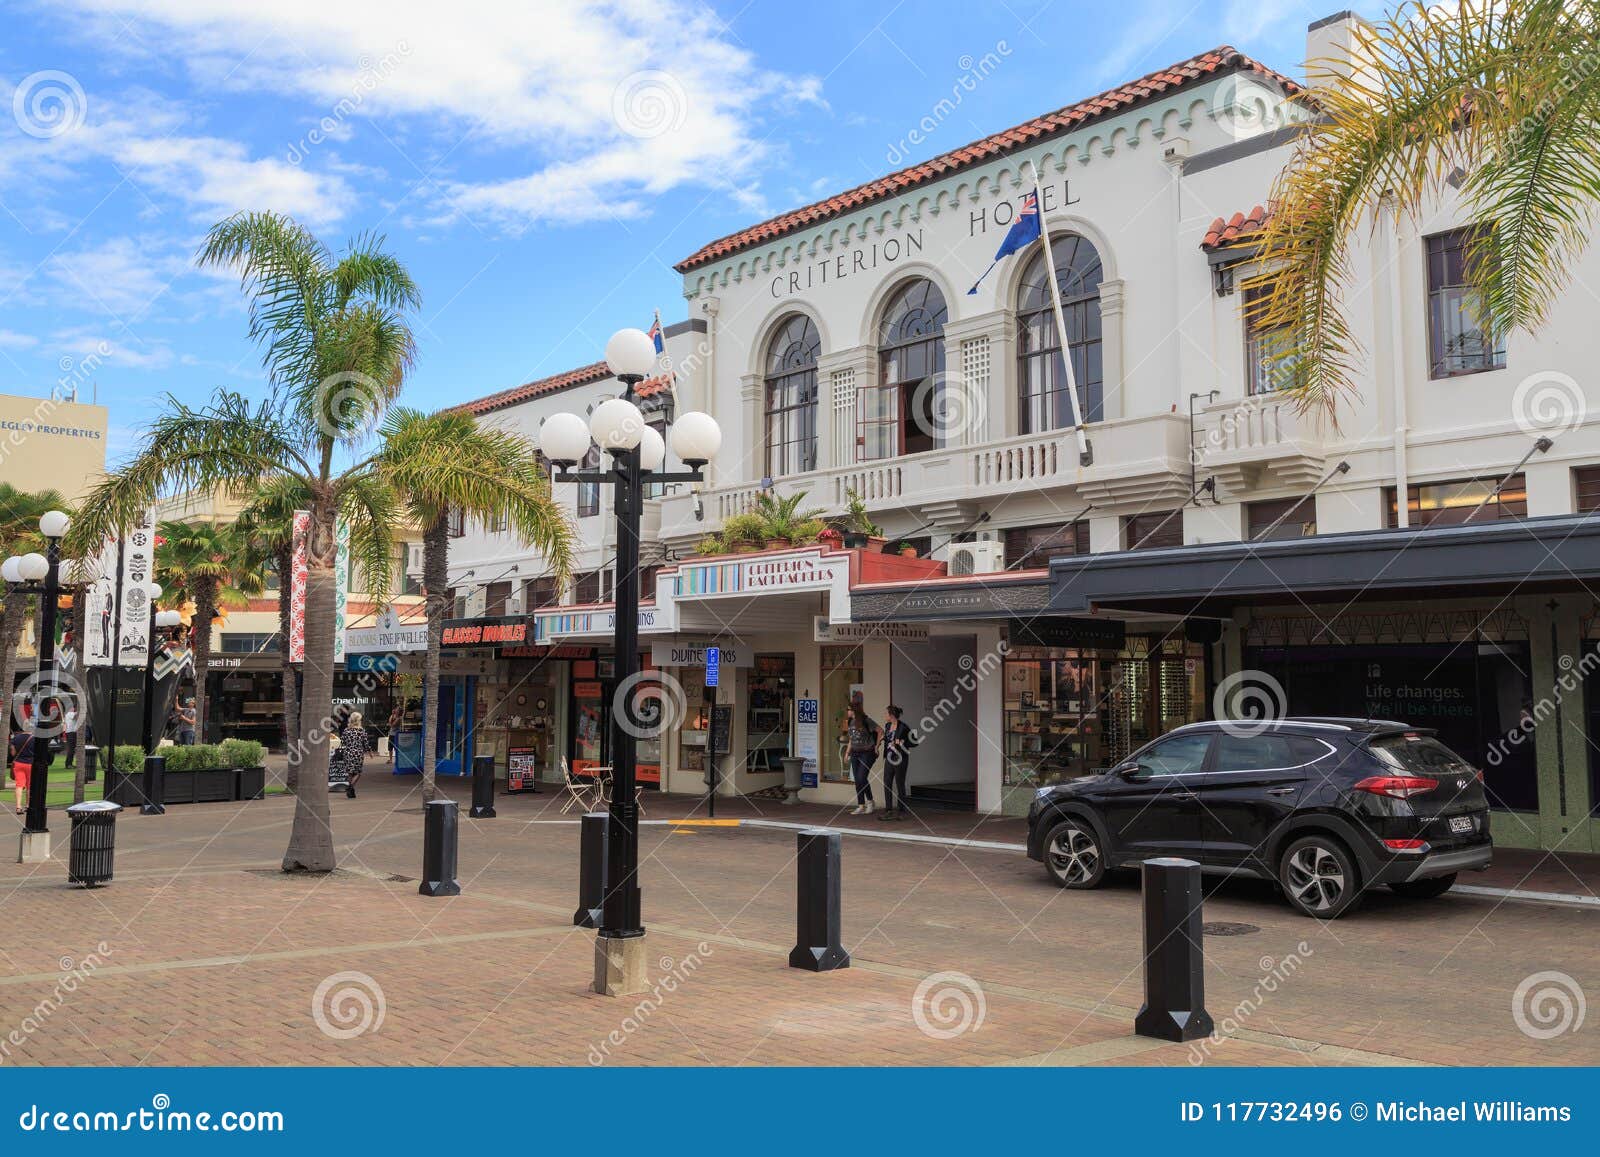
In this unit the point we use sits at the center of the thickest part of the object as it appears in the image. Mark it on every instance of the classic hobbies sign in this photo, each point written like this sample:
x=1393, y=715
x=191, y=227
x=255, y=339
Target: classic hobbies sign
x=485, y=632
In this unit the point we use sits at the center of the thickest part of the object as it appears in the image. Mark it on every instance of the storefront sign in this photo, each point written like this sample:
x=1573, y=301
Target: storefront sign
x=759, y=575
x=721, y=739
x=1054, y=631
x=807, y=718
x=822, y=631
x=521, y=769
x=556, y=624
x=449, y=665
x=993, y=598
x=665, y=653
x=390, y=635
x=380, y=664
x=485, y=632
x=554, y=651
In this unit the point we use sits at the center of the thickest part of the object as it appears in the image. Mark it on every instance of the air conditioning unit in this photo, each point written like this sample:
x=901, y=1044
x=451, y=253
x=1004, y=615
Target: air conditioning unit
x=514, y=604
x=964, y=558
x=477, y=602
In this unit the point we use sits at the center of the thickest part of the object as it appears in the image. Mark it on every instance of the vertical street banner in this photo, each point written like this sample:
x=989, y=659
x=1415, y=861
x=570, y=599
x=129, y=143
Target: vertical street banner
x=297, y=586
x=138, y=572
x=341, y=590
x=100, y=610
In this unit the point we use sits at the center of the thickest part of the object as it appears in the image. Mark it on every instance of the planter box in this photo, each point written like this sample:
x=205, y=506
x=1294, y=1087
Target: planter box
x=128, y=790
x=250, y=783
x=218, y=785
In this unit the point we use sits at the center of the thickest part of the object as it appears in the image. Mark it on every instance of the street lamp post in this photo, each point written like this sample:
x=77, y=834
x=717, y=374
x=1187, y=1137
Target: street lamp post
x=638, y=456
x=45, y=570
x=156, y=622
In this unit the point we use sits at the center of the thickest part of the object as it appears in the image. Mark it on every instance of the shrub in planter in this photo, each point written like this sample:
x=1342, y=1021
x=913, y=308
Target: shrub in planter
x=241, y=753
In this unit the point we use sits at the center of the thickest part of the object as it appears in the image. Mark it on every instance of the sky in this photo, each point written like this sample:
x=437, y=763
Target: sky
x=538, y=165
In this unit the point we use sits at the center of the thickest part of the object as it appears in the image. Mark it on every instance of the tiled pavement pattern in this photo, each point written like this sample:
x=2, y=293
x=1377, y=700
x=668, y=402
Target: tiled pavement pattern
x=214, y=958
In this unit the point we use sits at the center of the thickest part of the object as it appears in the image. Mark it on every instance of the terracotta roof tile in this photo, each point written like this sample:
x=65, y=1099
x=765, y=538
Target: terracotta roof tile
x=582, y=376
x=1238, y=229
x=1218, y=62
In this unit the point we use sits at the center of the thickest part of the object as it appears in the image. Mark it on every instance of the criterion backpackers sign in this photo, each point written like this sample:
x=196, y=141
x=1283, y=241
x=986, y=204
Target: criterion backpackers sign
x=119, y=612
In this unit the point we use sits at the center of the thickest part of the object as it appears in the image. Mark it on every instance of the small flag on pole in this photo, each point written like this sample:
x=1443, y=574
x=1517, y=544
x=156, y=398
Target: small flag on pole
x=656, y=335
x=1024, y=231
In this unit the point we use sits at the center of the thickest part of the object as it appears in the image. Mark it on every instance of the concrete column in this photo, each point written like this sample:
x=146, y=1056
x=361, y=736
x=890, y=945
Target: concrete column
x=989, y=714
x=1113, y=295
x=752, y=409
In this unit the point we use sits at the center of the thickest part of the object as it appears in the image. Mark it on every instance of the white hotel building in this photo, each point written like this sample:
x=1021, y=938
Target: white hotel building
x=1424, y=559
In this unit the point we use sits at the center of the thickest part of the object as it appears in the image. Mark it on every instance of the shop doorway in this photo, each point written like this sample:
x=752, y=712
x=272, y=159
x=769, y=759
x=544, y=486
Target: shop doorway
x=453, y=727
x=926, y=683
x=589, y=725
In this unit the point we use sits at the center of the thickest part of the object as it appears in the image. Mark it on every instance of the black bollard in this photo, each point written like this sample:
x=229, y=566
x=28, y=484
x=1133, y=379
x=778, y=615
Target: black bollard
x=91, y=763
x=483, y=787
x=439, y=824
x=817, y=903
x=593, y=833
x=1174, y=965
x=155, y=786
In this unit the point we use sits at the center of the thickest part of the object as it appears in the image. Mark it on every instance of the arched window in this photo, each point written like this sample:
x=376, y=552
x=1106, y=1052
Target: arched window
x=901, y=414
x=792, y=397
x=1042, y=402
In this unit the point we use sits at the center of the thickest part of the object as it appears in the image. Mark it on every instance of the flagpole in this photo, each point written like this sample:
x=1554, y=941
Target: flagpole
x=1085, y=451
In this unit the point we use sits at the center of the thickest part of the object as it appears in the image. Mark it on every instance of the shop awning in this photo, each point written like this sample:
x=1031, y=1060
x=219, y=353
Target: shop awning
x=981, y=596
x=1494, y=558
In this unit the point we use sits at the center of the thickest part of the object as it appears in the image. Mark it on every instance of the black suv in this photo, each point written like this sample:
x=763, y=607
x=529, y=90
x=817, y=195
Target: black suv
x=1326, y=807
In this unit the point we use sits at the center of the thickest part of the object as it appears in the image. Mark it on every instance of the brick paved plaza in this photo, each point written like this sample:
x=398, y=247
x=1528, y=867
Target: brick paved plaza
x=202, y=953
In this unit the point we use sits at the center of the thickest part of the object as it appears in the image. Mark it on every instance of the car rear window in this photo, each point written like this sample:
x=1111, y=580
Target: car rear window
x=1413, y=752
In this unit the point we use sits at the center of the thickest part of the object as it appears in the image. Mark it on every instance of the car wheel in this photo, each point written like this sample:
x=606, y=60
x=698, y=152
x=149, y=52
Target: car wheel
x=1425, y=889
x=1319, y=877
x=1073, y=856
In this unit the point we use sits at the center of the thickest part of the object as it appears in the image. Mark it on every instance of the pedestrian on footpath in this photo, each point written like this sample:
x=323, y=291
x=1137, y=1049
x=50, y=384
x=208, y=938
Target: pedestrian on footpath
x=186, y=721
x=861, y=737
x=22, y=762
x=353, y=747
x=898, y=740
x=69, y=731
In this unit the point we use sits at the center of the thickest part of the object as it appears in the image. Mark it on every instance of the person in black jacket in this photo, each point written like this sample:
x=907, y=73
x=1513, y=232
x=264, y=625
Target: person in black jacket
x=898, y=740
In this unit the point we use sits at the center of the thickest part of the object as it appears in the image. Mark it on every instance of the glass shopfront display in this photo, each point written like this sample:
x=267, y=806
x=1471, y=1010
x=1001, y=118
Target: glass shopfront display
x=1071, y=712
x=843, y=680
x=767, y=727
x=695, y=728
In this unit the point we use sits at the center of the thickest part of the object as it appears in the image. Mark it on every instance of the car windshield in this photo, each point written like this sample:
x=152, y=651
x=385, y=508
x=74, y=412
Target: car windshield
x=1417, y=754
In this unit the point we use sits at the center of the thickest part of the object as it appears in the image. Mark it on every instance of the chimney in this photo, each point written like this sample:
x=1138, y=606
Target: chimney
x=1334, y=48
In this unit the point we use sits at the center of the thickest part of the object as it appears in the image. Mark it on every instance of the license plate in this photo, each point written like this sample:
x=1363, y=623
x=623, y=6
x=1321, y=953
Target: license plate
x=1460, y=824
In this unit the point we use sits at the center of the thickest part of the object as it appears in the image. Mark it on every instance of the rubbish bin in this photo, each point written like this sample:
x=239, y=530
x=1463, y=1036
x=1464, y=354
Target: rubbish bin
x=793, y=765
x=94, y=838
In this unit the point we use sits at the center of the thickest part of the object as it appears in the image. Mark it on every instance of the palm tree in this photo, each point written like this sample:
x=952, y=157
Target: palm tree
x=445, y=464
x=217, y=569
x=19, y=531
x=336, y=345
x=1498, y=99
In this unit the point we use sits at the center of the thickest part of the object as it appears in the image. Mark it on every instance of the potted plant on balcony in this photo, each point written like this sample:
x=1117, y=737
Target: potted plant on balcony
x=741, y=533
x=905, y=550
x=860, y=532
x=781, y=521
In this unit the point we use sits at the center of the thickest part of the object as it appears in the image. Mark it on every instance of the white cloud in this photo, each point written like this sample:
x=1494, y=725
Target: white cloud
x=110, y=354
x=12, y=340
x=125, y=277
x=598, y=105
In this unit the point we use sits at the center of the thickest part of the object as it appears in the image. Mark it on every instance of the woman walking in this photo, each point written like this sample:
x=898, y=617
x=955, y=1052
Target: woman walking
x=22, y=762
x=898, y=740
x=861, y=736
x=353, y=748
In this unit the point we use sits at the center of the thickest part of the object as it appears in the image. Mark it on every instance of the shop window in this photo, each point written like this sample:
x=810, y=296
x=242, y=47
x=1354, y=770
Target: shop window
x=843, y=681
x=647, y=581
x=1037, y=545
x=589, y=492
x=1043, y=402
x=248, y=642
x=539, y=593
x=771, y=709
x=1586, y=484
x=608, y=585
x=586, y=587
x=1280, y=518
x=791, y=397
x=1153, y=530
x=1460, y=339
x=457, y=524
x=901, y=414
x=497, y=523
x=1269, y=366
x=1453, y=503
x=495, y=596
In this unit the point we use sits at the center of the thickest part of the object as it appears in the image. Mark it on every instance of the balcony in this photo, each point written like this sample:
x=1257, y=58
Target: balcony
x=1136, y=460
x=1262, y=441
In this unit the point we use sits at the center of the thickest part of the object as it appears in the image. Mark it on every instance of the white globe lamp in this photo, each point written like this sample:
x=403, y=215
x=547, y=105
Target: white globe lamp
x=652, y=449
x=631, y=354
x=33, y=567
x=155, y=591
x=564, y=439
x=696, y=438
x=11, y=570
x=616, y=425
x=54, y=524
